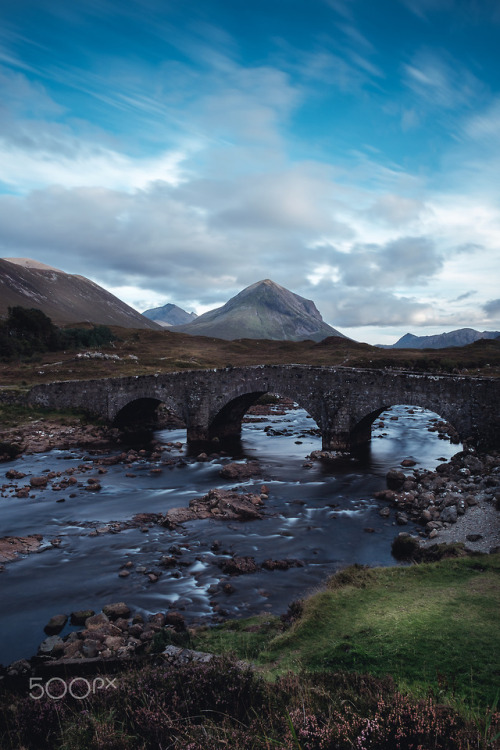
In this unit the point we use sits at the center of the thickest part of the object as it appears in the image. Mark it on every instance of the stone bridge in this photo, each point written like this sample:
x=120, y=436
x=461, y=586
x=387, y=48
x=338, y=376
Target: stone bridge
x=343, y=401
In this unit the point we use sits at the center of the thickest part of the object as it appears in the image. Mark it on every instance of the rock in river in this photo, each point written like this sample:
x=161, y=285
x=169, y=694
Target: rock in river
x=223, y=504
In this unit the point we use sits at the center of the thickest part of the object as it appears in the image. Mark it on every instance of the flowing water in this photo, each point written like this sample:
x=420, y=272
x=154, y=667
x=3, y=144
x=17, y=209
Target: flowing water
x=324, y=516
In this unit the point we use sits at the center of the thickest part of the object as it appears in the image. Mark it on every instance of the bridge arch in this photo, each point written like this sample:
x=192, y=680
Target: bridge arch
x=226, y=418
x=361, y=432
x=141, y=409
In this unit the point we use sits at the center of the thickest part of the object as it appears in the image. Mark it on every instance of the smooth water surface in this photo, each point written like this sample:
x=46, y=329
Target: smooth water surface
x=324, y=516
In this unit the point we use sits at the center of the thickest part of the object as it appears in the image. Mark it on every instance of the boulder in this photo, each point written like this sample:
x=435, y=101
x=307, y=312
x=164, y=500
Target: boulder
x=18, y=668
x=38, y=482
x=176, y=620
x=114, y=642
x=80, y=616
x=282, y=564
x=90, y=648
x=51, y=646
x=389, y=496
x=239, y=565
x=395, y=479
x=449, y=514
x=237, y=472
x=56, y=624
x=118, y=609
x=95, y=622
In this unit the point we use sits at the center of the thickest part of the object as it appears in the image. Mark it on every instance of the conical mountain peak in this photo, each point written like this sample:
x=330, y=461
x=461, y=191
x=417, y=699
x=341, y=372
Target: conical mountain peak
x=263, y=310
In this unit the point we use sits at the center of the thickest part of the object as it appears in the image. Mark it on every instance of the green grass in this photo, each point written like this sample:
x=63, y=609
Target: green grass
x=244, y=638
x=433, y=625
x=13, y=415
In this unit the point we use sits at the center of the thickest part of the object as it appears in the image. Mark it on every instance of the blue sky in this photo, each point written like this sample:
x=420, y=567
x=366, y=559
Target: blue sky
x=178, y=151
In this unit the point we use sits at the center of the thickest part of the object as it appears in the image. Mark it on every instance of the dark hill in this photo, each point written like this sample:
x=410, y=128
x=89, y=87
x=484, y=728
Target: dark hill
x=64, y=297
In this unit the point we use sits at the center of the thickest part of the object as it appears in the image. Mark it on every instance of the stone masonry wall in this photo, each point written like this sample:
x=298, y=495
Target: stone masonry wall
x=342, y=401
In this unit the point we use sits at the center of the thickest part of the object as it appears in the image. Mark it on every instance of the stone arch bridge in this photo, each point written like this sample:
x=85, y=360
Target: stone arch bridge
x=343, y=401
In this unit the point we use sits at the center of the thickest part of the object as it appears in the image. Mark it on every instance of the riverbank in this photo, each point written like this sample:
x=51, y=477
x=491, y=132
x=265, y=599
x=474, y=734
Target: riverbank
x=379, y=658
x=25, y=430
x=459, y=502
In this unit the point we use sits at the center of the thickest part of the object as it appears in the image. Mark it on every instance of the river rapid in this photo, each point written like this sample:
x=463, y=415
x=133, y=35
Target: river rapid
x=323, y=514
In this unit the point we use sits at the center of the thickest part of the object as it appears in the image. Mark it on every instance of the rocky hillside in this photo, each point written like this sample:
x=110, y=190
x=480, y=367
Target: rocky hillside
x=65, y=298
x=460, y=337
x=169, y=315
x=263, y=310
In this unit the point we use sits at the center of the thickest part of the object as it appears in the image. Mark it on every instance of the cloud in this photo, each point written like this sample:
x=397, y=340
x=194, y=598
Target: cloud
x=484, y=126
x=467, y=11
x=422, y=8
x=356, y=37
x=300, y=199
x=22, y=97
x=492, y=308
x=342, y=7
x=465, y=296
x=347, y=308
x=441, y=81
x=349, y=70
x=78, y=165
x=406, y=261
x=396, y=210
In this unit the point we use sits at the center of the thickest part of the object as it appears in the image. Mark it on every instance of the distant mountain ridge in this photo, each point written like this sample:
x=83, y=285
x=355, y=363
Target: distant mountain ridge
x=65, y=298
x=264, y=310
x=460, y=337
x=169, y=315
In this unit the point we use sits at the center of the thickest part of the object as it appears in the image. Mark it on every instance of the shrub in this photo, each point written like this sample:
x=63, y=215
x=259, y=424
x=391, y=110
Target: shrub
x=405, y=547
x=215, y=705
x=354, y=575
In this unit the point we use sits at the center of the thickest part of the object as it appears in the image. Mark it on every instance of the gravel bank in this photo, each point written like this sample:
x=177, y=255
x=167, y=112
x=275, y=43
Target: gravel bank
x=482, y=519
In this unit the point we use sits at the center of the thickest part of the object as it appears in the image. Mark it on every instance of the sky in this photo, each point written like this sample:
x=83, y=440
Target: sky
x=179, y=151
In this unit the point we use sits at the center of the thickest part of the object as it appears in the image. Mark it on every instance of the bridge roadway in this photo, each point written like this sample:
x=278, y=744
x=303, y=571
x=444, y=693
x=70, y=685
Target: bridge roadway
x=343, y=401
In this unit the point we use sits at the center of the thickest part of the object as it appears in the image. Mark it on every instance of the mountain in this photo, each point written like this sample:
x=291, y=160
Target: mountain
x=460, y=337
x=64, y=297
x=263, y=310
x=169, y=315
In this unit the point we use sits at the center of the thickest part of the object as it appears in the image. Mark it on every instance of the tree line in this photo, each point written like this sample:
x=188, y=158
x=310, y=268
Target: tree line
x=28, y=331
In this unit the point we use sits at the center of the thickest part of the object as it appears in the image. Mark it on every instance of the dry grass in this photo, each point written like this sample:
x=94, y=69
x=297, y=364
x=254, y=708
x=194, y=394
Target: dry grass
x=165, y=351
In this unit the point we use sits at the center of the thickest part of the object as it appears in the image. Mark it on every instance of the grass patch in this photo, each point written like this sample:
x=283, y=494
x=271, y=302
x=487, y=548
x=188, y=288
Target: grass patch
x=14, y=415
x=431, y=626
x=244, y=639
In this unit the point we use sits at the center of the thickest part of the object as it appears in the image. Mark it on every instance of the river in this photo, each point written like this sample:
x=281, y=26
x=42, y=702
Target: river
x=324, y=516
